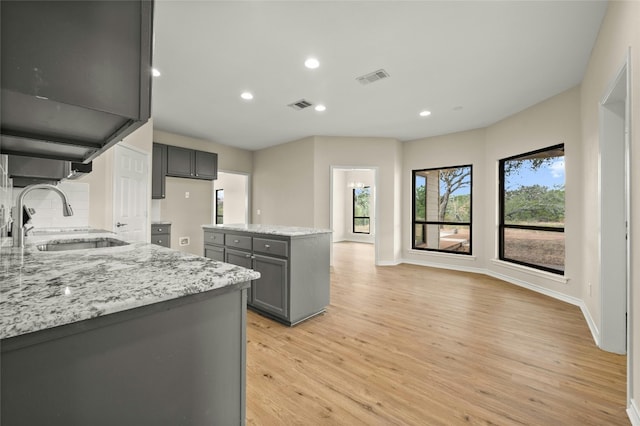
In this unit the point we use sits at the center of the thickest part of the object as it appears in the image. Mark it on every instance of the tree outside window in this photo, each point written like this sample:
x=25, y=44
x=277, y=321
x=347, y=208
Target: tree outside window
x=361, y=216
x=219, y=206
x=442, y=209
x=532, y=207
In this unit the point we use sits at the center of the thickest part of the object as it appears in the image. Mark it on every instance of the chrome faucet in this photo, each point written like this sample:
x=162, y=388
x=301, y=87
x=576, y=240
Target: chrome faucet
x=18, y=225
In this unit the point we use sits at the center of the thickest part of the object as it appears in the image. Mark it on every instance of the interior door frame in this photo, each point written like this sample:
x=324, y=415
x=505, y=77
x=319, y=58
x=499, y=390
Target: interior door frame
x=247, y=198
x=376, y=207
x=611, y=291
x=147, y=230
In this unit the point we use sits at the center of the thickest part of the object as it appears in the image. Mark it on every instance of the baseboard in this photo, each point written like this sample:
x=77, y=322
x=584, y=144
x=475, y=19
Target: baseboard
x=593, y=328
x=388, y=263
x=595, y=333
x=634, y=413
x=443, y=266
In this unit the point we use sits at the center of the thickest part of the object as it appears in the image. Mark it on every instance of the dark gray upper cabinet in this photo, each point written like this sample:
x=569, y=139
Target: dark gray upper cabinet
x=158, y=171
x=76, y=75
x=179, y=162
x=206, y=165
x=183, y=162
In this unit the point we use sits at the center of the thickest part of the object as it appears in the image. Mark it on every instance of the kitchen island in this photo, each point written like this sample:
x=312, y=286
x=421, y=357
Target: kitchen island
x=293, y=263
x=131, y=334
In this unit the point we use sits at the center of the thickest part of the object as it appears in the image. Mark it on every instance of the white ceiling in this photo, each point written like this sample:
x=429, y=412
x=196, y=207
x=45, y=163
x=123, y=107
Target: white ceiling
x=492, y=58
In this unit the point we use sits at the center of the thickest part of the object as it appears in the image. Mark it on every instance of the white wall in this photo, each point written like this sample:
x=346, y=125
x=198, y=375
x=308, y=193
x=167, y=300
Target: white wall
x=342, y=212
x=443, y=151
x=283, y=184
x=187, y=215
x=48, y=206
x=100, y=180
x=382, y=154
x=339, y=200
x=6, y=199
x=551, y=122
x=620, y=31
x=235, y=188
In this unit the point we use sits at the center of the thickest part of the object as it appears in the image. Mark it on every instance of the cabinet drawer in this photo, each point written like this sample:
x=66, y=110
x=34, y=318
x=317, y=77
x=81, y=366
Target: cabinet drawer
x=274, y=247
x=213, y=238
x=160, y=229
x=237, y=241
x=214, y=252
x=163, y=240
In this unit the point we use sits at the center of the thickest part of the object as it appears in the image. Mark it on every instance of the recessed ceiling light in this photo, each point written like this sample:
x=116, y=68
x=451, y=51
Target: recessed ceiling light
x=247, y=96
x=320, y=108
x=312, y=63
x=425, y=113
x=155, y=72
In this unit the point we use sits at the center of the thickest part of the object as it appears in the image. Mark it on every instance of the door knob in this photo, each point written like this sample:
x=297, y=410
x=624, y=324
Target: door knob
x=120, y=224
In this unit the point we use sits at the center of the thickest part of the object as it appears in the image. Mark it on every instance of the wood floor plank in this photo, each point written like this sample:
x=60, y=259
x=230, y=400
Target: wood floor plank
x=411, y=345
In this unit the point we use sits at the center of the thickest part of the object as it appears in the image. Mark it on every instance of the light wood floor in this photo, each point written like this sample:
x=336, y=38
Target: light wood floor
x=410, y=345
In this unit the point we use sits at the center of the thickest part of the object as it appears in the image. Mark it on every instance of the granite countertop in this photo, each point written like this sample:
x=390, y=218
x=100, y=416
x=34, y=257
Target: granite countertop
x=287, y=231
x=40, y=290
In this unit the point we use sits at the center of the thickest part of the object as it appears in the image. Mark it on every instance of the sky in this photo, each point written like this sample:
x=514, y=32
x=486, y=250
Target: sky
x=548, y=175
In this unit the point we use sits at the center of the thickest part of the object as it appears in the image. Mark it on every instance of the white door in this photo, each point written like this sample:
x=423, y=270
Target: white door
x=130, y=193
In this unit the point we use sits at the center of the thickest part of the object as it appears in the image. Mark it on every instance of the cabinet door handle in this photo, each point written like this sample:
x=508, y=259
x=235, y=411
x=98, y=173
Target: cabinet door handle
x=248, y=256
x=160, y=241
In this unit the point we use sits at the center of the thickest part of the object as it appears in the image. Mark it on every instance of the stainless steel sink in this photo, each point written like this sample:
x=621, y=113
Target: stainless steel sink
x=80, y=244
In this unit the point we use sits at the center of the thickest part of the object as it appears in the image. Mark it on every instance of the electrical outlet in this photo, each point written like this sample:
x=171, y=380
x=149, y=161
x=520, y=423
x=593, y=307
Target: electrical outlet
x=186, y=194
x=184, y=241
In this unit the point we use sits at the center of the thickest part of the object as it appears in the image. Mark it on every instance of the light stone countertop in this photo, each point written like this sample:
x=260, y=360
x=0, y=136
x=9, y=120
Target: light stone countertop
x=286, y=231
x=41, y=290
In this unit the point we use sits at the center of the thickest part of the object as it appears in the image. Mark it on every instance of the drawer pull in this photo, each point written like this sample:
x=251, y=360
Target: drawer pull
x=160, y=241
x=267, y=246
x=236, y=241
x=159, y=229
x=247, y=256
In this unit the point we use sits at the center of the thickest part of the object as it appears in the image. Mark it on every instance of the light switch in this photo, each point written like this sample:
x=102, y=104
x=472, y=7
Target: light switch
x=258, y=212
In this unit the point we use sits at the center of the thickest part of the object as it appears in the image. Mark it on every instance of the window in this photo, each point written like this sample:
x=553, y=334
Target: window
x=442, y=209
x=219, y=206
x=361, y=218
x=531, y=230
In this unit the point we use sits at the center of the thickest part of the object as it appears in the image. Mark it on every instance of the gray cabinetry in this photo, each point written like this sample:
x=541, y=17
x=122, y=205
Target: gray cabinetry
x=179, y=162
x=270, y=291
x=294, y=282
x=178, y=362
x=214, y=252
x=158, y=171
x=161, y=234
x=183, y=162
x=76, y=76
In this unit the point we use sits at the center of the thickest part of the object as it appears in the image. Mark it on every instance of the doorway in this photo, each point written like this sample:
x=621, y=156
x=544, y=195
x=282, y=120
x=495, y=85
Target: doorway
x=231, y=198
x=130, y=193
x=354, y=206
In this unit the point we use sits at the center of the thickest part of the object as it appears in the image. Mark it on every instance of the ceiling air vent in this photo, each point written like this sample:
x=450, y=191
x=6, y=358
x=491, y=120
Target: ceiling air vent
x=373, y=76
x=301, y=104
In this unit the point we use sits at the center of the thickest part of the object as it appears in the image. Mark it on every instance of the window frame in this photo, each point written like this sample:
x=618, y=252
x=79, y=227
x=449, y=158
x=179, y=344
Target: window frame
x=353, y=211
x=219, y=218
x=501, y=212
x=414, y=222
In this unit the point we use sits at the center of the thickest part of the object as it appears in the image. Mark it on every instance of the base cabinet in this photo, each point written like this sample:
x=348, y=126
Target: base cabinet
x=179, y=362
x=270, y=293
x=294, y=283
x=161, y=234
